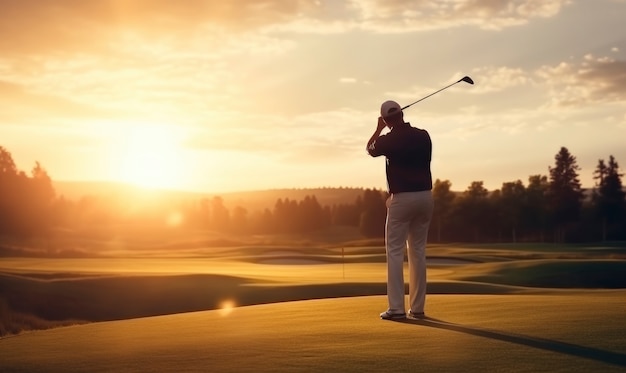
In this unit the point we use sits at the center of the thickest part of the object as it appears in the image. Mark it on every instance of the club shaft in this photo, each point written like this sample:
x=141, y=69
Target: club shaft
x=423, y=98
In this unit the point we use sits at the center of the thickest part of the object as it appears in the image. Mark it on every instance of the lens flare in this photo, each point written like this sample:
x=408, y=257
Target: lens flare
x=174, y=219
x=227, y=307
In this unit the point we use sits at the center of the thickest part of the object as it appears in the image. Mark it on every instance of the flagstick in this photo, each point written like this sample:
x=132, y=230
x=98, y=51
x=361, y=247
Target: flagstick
x=343, y=264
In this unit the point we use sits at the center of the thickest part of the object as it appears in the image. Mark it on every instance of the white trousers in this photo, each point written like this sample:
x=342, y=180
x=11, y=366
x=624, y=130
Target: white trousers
x=408, y=219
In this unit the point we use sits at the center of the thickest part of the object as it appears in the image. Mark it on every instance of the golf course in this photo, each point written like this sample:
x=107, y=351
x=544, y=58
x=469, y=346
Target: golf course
x=303, y=308
x=315, y=186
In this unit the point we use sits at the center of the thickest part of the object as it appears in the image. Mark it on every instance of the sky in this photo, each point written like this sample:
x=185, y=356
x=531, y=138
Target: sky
x=219, y=96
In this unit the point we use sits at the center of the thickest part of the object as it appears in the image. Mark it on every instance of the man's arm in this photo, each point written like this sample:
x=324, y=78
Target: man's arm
x=370, y=143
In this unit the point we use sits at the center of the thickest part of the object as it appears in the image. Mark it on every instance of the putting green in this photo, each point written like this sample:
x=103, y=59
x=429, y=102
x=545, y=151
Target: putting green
x=562, y=331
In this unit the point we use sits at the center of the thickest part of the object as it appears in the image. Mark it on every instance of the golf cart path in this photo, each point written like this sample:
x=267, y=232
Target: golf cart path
x=564, y=331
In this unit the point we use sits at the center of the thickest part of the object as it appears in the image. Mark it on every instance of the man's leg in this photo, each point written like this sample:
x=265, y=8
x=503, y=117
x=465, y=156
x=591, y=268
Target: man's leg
x=396, y=231
x=418, y=234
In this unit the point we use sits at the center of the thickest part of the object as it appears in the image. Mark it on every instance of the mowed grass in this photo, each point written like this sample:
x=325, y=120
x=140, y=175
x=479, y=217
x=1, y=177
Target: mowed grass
x=63, y=290
x=560, y=332
x=304, y=308
x=604, y=274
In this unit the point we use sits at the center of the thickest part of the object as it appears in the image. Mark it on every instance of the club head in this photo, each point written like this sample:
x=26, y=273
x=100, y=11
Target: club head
x=467, y=79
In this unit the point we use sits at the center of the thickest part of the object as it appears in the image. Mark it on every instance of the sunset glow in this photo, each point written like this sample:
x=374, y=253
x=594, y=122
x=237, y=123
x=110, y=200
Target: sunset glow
x=218, y=96
x=150, y=157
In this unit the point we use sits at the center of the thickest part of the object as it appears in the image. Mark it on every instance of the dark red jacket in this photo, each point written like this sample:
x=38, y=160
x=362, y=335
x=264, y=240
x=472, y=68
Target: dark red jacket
x=408, y=151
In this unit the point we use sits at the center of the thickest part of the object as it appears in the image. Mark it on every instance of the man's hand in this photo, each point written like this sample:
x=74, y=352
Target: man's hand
x=381, y=124
x=379, y=128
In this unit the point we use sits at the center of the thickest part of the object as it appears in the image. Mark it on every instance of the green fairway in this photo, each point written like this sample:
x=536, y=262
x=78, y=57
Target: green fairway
x=303, y=308
x=581, y=332
x=45, y=292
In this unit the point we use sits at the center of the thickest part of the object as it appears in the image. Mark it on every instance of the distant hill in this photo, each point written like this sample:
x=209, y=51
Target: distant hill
x=250, y=200
x=259, y=200
x=75, y=190
x=254, y=200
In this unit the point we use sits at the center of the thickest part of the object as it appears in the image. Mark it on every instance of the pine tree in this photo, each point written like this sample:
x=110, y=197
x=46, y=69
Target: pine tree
x=609, y=196
x=536, y=205
x=565, y=192
x=511, y=204
x=220, y=215
x=443, y=198
x=373, y=214
x=472, y=211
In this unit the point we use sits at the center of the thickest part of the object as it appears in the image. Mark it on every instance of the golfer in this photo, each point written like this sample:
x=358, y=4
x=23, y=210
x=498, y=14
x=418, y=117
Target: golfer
x=408, y=153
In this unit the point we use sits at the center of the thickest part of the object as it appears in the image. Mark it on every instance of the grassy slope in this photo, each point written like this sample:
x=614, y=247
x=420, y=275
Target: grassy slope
x=63, y=290
x=563, y=331
x=500, y=332
x=607, y=274
x=107, y=298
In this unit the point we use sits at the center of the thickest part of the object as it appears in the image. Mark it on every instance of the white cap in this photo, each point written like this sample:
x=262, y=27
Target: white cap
x=389, y=108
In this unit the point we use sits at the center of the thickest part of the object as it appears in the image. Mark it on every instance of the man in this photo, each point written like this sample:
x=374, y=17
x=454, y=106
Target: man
x=408, y=153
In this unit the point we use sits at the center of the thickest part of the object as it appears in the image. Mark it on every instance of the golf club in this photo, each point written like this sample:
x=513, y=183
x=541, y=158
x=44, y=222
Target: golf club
x=465, y=79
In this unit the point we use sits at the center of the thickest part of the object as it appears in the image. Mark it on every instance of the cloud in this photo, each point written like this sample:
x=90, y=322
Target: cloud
x=167, y=58
x=408, y=15
x=18, y=103
x=497, y=79
x=42, y=26
x=67, y=25
x=590, y=81
x=310, y=138
x=571, y=84
x=348, y=80
x=513, y=100
x=144, y=79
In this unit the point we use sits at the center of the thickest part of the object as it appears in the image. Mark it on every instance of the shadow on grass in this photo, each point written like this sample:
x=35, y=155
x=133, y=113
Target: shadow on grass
x=609, y=357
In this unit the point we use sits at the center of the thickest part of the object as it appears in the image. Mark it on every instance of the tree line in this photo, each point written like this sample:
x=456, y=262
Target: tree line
x=549, y=208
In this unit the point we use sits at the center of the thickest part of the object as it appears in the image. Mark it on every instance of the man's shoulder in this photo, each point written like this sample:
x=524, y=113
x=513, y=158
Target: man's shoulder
x=417, y=131
x=413, y=128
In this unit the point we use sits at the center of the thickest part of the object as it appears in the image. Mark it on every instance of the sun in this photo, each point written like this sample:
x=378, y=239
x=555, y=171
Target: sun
x=150, y=156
